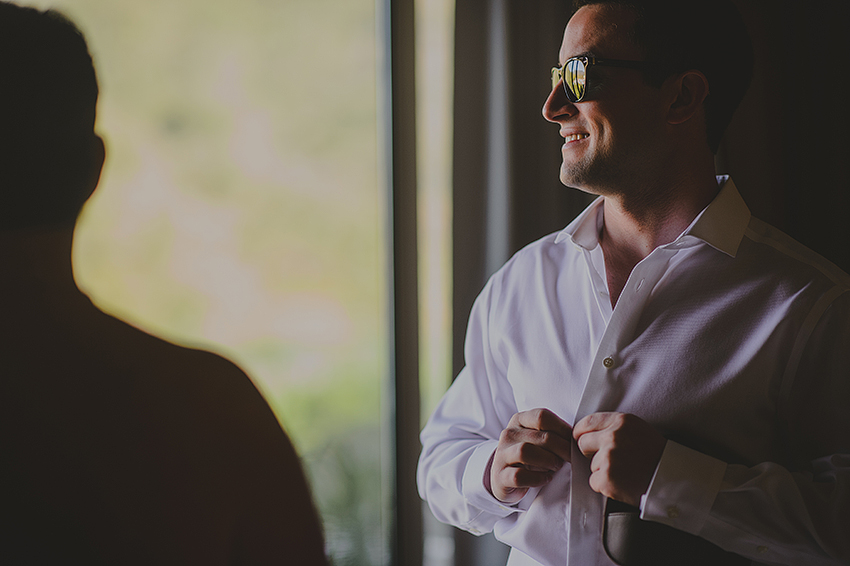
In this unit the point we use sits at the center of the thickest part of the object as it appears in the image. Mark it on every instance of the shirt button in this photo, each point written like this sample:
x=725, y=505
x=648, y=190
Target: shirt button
x=672, y=512
x=762, y=549
x=608, y=362
x=639, y=285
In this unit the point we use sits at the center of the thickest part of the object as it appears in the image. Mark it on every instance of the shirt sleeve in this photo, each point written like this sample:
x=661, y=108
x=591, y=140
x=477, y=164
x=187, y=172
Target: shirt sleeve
x=463, y=432
x=791, y=514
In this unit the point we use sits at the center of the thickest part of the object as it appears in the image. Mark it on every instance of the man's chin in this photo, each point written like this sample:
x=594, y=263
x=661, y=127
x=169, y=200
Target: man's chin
x=570, y=179
x=585, y=176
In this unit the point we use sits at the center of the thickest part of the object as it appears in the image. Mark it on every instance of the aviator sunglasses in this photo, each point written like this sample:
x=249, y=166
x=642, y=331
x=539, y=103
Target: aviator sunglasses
x=574, y=73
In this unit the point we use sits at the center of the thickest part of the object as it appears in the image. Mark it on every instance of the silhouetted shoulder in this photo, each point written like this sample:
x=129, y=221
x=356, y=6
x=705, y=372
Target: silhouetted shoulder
x=167, y=450
x=229, y=425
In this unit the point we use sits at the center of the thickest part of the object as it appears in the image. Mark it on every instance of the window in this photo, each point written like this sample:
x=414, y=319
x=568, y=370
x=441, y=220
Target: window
x=240, y=211
x=434, y=68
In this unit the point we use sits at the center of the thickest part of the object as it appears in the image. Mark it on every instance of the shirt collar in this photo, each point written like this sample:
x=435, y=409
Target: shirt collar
x=584, y=230
x=721, y=224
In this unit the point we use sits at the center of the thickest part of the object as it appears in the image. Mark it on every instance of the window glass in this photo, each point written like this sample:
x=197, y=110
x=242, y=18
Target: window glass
x=434, y=64
x=434, y=85
x=240, y=211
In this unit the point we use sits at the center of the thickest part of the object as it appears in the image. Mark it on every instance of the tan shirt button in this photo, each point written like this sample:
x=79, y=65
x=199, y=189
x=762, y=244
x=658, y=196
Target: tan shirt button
x=608, y=362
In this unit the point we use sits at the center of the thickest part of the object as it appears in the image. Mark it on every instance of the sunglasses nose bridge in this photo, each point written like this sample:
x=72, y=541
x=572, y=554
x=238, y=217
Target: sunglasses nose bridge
x=557, y=76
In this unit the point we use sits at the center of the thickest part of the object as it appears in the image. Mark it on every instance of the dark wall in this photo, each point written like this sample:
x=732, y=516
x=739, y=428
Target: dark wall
x=788, y=147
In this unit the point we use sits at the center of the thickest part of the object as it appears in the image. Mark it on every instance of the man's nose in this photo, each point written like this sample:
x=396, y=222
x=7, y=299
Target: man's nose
x=557, y=107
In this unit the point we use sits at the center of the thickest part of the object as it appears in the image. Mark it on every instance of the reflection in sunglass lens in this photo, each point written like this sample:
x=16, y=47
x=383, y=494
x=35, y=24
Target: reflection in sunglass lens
x=574, y=79
x=574, y=76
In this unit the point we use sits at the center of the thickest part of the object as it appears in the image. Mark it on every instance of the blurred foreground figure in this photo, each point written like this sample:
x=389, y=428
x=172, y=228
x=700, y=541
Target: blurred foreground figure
x=117, y=447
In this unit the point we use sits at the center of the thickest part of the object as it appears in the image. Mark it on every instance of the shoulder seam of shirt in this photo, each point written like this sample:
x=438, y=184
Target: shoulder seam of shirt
x=815, y=260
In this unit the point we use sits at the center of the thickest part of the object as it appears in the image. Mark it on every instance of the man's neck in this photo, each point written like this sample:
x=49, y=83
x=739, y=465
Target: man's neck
x=635, y=225
x=39, y=273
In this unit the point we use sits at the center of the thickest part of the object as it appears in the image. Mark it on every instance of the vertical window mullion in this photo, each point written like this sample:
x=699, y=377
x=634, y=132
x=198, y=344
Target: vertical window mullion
x=398, y=112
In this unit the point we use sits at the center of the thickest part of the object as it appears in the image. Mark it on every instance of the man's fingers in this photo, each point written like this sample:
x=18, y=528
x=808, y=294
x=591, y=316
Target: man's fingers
x=540, y=427
x=546, y=420
x=589, y=443
x=588, y=431
x=523, y=478
x=534, y=446
x=594, y=422
x=533, y=456
x=624, y=451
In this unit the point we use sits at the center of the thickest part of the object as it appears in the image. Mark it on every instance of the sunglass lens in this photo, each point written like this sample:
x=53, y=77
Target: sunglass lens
x=575, y=79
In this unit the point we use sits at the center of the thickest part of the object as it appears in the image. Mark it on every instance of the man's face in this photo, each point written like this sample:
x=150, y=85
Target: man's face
x=612, y=137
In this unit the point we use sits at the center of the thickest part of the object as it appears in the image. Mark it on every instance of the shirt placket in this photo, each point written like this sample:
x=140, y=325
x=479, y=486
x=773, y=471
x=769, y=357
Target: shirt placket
x=603, y=391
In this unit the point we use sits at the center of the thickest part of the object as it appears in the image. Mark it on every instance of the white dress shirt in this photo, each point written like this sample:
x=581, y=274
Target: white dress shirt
x=733, y=340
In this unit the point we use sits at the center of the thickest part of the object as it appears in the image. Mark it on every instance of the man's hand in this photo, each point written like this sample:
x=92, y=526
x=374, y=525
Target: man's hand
x=624, y=452
x=531, y=449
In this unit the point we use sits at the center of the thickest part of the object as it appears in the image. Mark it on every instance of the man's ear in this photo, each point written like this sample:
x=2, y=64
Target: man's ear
x=691, y=89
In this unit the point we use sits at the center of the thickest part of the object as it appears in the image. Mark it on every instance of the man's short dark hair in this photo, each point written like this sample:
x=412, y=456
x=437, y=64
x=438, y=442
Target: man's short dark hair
x=706, y=35
x=47, y=111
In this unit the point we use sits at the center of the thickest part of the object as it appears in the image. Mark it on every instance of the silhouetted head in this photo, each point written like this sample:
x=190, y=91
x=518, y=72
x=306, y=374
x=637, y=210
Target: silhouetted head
x=706, y=35
x=50, y=157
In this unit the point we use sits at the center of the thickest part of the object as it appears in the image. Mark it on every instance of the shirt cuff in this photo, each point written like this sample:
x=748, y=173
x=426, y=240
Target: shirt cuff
x=683, y=488
x=473, y=487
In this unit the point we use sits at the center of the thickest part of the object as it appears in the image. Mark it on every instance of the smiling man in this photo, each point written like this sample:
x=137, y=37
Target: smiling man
x=665, y=380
